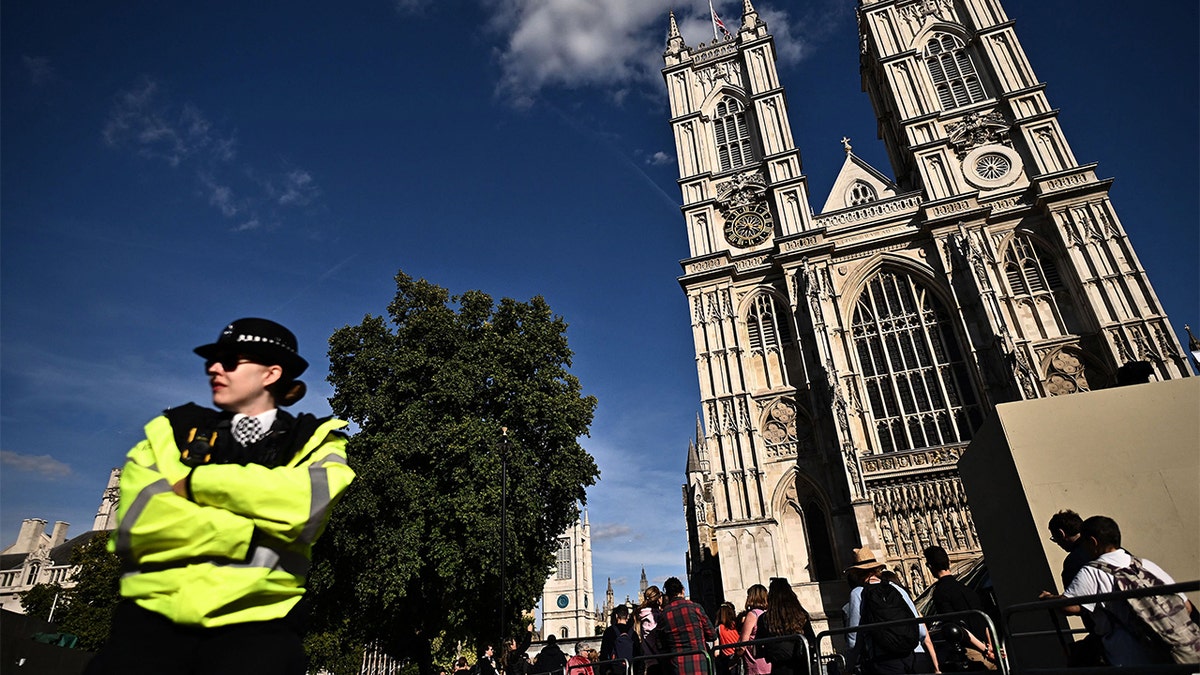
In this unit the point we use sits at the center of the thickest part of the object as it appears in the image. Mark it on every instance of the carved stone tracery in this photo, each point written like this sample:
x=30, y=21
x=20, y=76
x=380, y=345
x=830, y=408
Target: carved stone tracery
x=976, y=129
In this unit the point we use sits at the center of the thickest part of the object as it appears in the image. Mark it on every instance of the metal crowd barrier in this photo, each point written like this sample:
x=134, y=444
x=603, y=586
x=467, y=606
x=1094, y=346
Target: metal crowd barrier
x=602, y=667
x=998, y=643
x=1051, y=604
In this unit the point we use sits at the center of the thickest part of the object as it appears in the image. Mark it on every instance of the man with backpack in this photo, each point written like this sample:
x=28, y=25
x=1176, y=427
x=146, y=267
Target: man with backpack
x=619, y=642
x=1134, y=631
x=893, y=649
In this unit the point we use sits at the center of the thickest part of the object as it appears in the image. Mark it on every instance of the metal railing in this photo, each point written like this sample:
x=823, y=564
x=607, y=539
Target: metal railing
x=1051, y=604
x=998, y=643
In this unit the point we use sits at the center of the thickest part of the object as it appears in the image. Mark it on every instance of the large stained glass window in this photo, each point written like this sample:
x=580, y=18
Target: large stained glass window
x=917, y=382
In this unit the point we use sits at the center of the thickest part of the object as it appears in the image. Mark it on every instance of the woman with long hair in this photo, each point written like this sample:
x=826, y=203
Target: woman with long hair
x=756, y=604
x=727, y=633
x=785, y=616
x=649, y=620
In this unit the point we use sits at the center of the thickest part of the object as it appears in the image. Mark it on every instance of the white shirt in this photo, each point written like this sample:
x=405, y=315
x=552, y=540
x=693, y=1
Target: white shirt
x=1122, y=647
x=266, y=419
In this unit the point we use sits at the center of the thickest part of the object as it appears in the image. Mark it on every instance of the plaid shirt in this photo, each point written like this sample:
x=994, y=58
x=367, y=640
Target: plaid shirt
x=686, y=628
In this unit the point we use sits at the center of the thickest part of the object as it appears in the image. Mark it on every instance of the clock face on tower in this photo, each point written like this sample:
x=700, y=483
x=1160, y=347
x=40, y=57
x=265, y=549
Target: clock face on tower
x=748, y=228
x=563, y=601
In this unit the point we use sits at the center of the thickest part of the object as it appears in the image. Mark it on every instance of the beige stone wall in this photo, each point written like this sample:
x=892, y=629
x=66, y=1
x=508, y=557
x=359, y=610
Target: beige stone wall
x=1130, y=453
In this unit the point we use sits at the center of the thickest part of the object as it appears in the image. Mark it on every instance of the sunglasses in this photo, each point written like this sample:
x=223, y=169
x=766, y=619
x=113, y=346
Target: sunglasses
x=229, y=362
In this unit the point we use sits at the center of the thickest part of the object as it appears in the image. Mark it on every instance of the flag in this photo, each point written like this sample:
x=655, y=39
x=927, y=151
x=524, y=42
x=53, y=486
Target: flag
x=717, y=22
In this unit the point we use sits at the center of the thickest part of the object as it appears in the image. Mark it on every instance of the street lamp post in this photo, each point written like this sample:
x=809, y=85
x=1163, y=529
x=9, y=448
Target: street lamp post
x=503, y=531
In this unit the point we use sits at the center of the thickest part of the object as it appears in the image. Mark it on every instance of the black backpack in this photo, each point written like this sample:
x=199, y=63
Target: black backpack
x=623, y=647
x=883, y=602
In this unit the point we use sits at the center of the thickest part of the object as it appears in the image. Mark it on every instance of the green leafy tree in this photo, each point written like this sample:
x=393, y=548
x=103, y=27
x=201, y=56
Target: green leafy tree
x=38, y=600
x=91, y=601
x=411, y=558
x=85, y=609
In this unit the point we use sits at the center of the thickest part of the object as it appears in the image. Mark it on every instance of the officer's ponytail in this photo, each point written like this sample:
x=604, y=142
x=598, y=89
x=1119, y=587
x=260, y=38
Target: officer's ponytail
x=287, y=392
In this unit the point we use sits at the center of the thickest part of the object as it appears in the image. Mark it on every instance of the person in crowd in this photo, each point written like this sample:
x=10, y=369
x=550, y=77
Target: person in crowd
x=551, y=659
x=1118, y=622
x=892, y=578
x=756, y=604
x=650, y=630
x=785, y=616
x=1064, y=532
x=685, y=628
x=516, y=661
x=620, y=640
x=219, y=510
x=461, y=667
x=579, y=664
x=486, y=663
x=728, y=632
x=950, y=595
x=887, y=650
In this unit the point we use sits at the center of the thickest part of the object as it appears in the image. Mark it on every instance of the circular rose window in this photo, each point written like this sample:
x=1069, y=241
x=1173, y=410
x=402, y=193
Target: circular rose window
x=992, y=167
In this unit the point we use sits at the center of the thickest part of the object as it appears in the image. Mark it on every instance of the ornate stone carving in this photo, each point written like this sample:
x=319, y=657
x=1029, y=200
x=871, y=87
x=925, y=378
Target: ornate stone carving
x=976, y=129
x=1065, y=374
x=921, y=11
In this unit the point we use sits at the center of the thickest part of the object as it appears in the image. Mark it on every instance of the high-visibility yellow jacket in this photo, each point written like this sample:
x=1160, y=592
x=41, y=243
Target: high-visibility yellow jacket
x=237, y=551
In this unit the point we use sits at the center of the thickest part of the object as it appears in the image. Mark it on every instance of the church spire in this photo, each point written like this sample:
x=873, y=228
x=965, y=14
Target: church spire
x=674, y=39
x=749, y=16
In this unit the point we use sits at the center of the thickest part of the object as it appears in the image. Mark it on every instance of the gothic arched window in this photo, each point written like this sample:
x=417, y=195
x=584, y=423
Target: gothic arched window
x=565, y=632
x=952, y=71
x=860, y=193
x=762, y=324
x=916, y=378
x=767, y=336
x=1030, y=271
x=563, y=559
x=733, y=134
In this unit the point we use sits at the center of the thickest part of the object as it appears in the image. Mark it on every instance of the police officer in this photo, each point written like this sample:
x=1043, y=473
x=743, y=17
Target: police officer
x=218, y=513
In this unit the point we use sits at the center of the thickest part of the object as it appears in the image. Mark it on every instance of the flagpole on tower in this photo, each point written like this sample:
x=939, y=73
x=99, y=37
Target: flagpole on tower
x=712, y=16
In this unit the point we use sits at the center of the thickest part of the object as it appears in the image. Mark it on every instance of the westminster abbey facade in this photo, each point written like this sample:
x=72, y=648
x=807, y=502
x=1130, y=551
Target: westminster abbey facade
x=846, y=355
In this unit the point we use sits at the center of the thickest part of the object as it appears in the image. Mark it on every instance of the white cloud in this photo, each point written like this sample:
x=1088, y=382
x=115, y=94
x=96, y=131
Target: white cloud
x=147, y=121
x=659, y=158
x=43, y=465
x=142, y=120
x=38, y=69
x=298, y=188
x=607, y=44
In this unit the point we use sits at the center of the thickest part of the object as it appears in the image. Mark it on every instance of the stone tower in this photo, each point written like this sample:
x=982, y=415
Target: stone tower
x=846, y=356
x=568, y=605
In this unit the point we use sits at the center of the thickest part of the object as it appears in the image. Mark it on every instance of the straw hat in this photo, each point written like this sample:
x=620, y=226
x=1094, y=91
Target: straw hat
x=864, y=559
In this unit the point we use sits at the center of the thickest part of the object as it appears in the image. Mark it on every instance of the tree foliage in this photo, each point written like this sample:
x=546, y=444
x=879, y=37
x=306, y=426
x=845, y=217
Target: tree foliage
x=413, y=551
x=91, y=601
x=85, y=609
x=39, y=599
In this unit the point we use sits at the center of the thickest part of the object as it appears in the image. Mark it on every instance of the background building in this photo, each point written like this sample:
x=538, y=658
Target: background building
x=568, y=603
x=40, y=558
x=847, y=356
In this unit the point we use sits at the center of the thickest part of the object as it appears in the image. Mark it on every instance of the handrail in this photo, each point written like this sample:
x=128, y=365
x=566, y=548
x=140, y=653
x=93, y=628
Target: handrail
x=671, y=655
x=1056, y=603
x=998, y=642
x=792, y=637
x=598, y=664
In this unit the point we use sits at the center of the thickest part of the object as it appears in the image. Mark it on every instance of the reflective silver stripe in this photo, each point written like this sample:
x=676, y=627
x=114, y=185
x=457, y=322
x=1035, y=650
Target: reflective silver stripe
x=124, y=546
x=263, y=557
x=318, y=504
x=260, y=556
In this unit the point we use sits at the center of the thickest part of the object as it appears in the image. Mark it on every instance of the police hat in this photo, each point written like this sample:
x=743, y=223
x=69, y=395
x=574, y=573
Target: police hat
x=260, y=338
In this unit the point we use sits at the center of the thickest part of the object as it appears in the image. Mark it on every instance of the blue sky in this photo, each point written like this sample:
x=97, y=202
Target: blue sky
x=169, y=167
